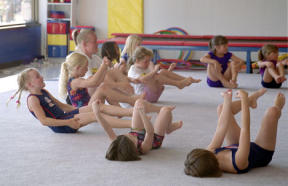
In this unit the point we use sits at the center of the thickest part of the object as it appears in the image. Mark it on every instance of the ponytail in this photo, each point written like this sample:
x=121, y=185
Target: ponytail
x=260, y=55
x=63, y=80
x=75, y=34
x=21, y=80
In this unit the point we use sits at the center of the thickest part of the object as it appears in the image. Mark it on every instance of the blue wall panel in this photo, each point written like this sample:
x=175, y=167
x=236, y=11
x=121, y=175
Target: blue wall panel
x=20, y=44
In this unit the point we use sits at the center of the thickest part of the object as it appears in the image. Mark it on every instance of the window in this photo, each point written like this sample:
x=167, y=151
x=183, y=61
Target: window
x=16, y=12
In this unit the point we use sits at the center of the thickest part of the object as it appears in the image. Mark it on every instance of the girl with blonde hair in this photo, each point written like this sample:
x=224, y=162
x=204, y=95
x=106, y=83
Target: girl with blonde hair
x=149, y=80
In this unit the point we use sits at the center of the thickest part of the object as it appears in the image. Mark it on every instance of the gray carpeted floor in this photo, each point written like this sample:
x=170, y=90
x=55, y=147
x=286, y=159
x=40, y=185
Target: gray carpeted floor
x=31, y=154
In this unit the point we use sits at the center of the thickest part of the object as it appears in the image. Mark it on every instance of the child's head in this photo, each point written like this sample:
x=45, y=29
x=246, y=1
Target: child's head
x=122, y=149
x=268, y=52
x=202, y=163
x=26, y=80
x=110, y=50
x=141, y=57
x=218, y=43
x=75, y=65
x=132, y=42
x=86, y=39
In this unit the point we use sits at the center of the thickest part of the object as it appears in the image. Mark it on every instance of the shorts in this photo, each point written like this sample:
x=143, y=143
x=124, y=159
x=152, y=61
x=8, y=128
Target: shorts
x=157, y=139
x=214, y=83
x=152, y=96
x=65, y=129
x=271, y=84
x=258, y=156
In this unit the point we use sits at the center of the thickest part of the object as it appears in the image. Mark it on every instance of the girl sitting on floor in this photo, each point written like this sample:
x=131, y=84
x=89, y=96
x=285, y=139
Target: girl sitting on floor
x=59, y=117
x=221, y=72
x=272, y=73
x=151, y=81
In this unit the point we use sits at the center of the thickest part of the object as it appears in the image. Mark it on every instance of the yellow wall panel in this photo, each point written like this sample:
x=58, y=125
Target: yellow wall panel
x=71, y=45
x=57, y=39
x=125, y=16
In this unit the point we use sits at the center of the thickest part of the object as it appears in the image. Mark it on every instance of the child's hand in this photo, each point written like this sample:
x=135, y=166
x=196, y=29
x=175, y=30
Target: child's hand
x=134, y=80
x=139, y=105
x=269, y=64
x=156, y=68
x=107, y=62
x=74, y=123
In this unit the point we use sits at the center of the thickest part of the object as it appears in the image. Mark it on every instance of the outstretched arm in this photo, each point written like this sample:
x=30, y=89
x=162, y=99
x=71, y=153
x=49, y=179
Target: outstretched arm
x=34, y=106
x=223, y=122
x=96, y=79
x=263, y=64
x=108, y=129
x=244, y=141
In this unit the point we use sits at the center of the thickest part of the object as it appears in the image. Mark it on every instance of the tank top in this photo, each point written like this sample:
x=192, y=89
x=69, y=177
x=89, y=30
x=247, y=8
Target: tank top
x=222, y=60
x=79, y=97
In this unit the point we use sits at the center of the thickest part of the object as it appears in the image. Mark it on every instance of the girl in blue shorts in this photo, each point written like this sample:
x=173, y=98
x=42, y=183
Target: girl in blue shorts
x=272, y=72
x=142, y=137
x=223, y=66
x=240, y=155
x=62, y=118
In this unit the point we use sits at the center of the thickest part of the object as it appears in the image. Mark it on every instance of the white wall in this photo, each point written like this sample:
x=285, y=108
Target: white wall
x=227, y=17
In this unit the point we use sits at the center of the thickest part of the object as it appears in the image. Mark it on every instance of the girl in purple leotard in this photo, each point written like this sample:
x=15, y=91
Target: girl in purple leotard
x=223, y=66
x=272, y=73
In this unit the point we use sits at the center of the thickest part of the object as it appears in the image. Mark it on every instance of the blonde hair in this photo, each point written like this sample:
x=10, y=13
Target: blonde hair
x=82, y=35
x=76, y=59
x=266, y=50
x=131, y=43
x=139, y=54
x=22, y=79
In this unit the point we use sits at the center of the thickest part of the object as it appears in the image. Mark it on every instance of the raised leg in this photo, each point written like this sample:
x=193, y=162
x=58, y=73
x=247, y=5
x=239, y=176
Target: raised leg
x=266, y=137
x=104, y=91
x=163, y=123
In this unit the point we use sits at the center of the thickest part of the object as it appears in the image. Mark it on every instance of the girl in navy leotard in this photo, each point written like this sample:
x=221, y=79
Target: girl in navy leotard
x=62, y=118
x=272, y=73
x=223, y=66
x=240, y=155
x=142, y=137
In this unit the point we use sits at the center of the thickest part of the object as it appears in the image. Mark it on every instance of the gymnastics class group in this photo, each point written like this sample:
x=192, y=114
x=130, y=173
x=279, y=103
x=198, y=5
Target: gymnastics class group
x=127, y=84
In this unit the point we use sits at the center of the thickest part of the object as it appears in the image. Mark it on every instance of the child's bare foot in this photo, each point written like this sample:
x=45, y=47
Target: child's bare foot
x=279, y=100
x=194, y=80
x=241, y=94
x=227, y=94
x=174, y=126
x=229, y=84
x=234, y=83
x=255, y=95
x=184, y=83
x=278, y=79
x=172, y=66
x=283, y=78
